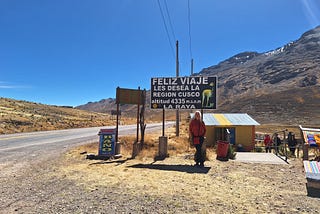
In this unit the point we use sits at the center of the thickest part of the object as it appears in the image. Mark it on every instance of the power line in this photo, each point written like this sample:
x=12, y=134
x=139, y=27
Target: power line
x=166, y=28
x=172, y=31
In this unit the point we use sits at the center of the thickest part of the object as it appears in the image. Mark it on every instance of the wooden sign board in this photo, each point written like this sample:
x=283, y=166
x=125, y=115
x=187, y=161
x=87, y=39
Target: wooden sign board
x=129, y=96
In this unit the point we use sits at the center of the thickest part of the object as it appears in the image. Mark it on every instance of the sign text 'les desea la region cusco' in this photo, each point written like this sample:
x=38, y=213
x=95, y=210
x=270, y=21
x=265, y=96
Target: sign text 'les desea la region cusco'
x=184, y=92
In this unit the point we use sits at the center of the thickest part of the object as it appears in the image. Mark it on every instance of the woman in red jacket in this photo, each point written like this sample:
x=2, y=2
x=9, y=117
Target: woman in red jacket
x=268, y=143
x=197, y=130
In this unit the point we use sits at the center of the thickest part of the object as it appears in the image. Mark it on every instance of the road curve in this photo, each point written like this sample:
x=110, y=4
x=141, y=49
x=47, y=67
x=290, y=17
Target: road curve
x=34, y=143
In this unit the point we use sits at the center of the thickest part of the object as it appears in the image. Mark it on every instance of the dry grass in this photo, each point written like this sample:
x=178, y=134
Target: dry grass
x=179, y=152
x=176, y=145
x=135, y=179
x=94, y=169
x=21, y=116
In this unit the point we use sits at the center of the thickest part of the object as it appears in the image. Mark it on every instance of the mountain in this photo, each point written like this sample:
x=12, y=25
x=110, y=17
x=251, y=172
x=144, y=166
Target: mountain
x=293, y=65
x=279, y=86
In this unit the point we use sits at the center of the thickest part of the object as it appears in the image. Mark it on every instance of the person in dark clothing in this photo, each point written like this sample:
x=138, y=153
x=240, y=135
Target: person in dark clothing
x=292, y=142
x=197, y=130
x=277, y=142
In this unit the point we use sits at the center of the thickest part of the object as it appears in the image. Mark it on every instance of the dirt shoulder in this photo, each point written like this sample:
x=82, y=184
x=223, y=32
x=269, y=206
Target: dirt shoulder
x=70, y=183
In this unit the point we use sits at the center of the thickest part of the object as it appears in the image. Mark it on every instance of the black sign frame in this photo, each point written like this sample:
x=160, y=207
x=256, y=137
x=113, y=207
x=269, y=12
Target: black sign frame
x=197, y=92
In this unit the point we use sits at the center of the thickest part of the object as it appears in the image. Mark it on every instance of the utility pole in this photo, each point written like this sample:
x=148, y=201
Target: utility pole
x=191, y=75
x=177, y=75
x=191, y=66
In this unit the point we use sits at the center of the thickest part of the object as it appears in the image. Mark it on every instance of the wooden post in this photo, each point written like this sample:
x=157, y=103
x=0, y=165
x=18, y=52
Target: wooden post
x=138, y=112
x=163, y=121
x=117, y=101
x=142, y=124
x=163, y=147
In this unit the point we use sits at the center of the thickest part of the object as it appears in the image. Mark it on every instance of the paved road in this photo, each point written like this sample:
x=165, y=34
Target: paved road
x=25, y=145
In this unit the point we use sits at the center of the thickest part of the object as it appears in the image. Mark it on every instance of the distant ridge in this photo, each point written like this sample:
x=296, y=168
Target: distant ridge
x=103, y=106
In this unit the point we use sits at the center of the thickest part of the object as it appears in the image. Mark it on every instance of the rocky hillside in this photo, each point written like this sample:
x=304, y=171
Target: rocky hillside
x=295, y=65
x=279, y=86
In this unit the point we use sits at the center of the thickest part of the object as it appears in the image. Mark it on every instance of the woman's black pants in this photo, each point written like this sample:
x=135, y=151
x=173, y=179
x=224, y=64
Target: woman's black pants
x=198, y=156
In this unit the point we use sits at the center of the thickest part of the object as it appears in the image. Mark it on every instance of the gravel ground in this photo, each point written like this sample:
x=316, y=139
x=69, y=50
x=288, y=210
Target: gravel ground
x=70, y=183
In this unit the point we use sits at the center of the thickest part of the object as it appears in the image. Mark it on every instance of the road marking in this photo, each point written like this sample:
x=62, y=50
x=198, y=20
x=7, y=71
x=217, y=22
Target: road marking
x=13, y=137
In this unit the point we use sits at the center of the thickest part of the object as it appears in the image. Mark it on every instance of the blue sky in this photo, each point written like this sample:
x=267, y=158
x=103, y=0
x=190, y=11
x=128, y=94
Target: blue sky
x=70, y=52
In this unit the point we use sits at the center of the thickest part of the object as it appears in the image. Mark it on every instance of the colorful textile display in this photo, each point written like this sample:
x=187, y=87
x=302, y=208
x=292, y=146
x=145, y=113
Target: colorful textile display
x=312, y=138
